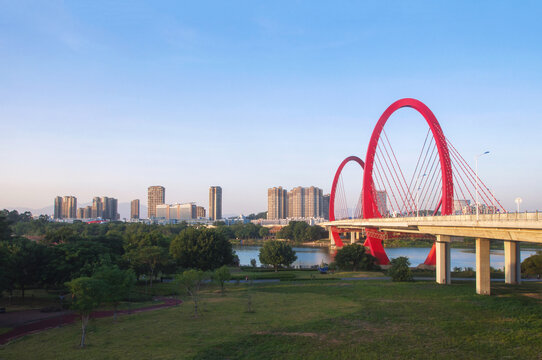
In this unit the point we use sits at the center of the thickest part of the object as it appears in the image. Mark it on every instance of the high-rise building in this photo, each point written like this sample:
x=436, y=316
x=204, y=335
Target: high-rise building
x=156, y=196
x=382, y=202
x=277, y=203
x=296, y=202
x=97, y=207
x=87, y=214
x=215, y=202
x=81, y=213
x=58, y=208
x=109, y=208
x=313, y=202
x=69, y=207
x=325, y=210
x=200, y=212
x=134, y=213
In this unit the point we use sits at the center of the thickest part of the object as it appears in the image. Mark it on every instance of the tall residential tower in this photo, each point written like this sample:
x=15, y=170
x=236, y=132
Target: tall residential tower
x=277, y=203
x=134, y=213
x=215, y=202
x=156, y=196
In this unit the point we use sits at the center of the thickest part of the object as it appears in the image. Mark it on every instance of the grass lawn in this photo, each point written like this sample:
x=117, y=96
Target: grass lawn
x=316, y=320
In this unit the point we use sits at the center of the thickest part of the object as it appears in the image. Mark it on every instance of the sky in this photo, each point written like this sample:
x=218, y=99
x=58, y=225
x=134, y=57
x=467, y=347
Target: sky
x=102, y=98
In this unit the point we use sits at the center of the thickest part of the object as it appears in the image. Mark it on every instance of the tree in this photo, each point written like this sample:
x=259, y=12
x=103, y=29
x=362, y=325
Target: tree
x=28, y=263
x=532, y=265
x=221, y=275
x=151, y=257
x=204, y=249
x=5, y=267
x=147, y=252
x=191, y=280
x=253, y=263
x=354, y=257
x=400, y=269
x=263, y=232
x=5, y=230
x=87, y=294
x=277, y=253
x=118, y=283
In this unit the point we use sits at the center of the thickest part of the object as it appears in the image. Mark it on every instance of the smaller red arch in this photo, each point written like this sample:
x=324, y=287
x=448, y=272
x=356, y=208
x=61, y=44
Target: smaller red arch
x=335, y=234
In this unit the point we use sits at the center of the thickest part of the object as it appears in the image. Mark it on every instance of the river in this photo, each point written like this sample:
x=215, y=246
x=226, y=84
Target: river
x=309, y=256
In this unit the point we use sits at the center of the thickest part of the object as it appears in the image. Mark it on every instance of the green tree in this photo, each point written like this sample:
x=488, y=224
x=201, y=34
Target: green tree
x=118, y=283
x=354, y=257
x=5, y=267
x=400, y=269
x=150, y=257
x=28, y=264
x=263, y=232
x=277, y=253
x=5, y=230
x=191, y=280
x=532, y=265
x=147, y=251
x=253, y=263
x=87, y=294
x=204, y=249
x=221, y=275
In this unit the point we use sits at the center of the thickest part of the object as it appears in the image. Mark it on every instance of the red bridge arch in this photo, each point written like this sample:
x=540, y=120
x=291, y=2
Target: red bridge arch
x=369, y=202
x=334, y=233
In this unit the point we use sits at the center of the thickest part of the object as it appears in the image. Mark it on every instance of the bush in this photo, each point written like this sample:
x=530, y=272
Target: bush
x=355, y=257
x=400, y=269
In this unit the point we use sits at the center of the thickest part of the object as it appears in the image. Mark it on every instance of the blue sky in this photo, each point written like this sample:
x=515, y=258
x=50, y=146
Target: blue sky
x=107, y=98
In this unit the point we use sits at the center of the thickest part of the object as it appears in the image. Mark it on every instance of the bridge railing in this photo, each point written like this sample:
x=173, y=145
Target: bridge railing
x=525, y=216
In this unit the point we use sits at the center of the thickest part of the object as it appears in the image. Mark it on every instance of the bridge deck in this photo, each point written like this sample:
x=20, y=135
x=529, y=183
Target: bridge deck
x=525, y=227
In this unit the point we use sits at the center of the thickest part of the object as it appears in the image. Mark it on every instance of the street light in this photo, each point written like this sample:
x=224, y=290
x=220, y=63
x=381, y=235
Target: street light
x=476, y=158
x=418, y=195
x=518, y=201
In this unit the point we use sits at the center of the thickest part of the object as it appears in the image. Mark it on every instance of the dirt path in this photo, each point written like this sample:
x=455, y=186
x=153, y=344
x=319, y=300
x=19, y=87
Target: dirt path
x=70, y=317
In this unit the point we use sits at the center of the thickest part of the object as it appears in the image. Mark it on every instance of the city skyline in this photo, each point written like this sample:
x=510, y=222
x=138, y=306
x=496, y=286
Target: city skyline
x=226, y=81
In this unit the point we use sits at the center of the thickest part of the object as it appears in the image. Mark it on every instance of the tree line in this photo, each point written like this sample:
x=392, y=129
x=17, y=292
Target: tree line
x=62, y=252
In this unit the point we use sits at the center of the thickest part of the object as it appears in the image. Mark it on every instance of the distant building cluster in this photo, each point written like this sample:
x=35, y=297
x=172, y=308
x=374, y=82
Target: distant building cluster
x=465, y=207
x=158, y=210
x=104, y=207
x=300, y=202
x=65, y=207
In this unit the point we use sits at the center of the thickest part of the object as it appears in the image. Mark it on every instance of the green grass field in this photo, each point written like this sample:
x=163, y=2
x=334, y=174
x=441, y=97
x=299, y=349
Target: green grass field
x=315, y=320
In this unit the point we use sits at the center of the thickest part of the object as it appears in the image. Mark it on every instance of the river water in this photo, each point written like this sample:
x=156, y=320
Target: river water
x=309, y=256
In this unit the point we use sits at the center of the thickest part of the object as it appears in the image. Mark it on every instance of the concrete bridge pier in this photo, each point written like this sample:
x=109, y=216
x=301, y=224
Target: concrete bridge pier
x=512, y=262
x=483, y=274
x=331, y=239
x=353, y=237
x=443, y=259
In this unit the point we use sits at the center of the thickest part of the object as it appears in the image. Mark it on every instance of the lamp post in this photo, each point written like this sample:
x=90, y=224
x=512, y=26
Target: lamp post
x=418, y=195
x=476, y=159
x=518, y=201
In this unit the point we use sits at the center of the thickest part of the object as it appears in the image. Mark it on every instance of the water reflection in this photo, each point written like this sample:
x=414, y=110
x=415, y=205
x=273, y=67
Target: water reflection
x=309, y=256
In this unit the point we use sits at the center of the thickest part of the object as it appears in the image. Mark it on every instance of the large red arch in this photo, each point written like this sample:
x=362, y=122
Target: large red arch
x=335, y=234
x=370, y=208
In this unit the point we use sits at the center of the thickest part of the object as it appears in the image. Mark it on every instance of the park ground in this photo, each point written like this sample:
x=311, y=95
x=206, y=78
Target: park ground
x=308, y=317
